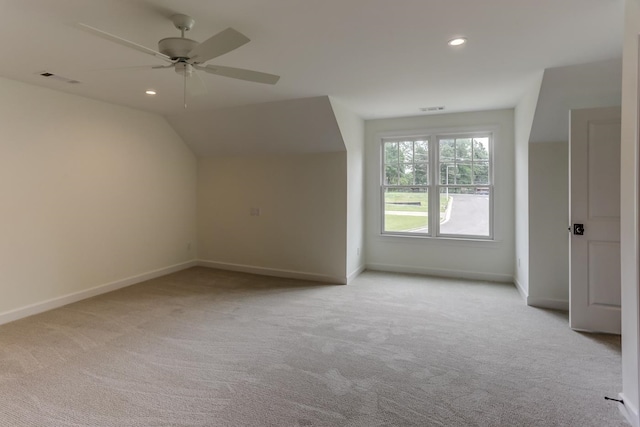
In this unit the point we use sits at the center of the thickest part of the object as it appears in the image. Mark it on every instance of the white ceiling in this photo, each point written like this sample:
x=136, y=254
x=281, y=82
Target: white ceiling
x=380, y=58
x=305, y=125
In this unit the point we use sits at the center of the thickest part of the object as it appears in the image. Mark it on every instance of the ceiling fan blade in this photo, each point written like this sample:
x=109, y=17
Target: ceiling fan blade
x=135, y=67
x=239, y=73
x=121, y=41
x=223, y=42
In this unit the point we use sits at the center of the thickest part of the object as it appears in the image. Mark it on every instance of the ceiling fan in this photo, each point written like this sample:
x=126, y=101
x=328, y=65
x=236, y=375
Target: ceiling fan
x=186, y=56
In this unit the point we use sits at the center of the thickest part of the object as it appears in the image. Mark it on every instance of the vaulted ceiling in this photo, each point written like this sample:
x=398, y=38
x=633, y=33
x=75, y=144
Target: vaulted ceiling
x=380, y=58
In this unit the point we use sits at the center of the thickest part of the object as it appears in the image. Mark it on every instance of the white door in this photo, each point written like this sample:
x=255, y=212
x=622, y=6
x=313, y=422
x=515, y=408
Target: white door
x=594, y=183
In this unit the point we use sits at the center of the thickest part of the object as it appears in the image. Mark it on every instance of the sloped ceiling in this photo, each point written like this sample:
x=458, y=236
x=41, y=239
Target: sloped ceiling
x=596, y=84
x=296, y=126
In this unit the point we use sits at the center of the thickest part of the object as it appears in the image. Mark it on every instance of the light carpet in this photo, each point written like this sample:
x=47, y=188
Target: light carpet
x=206, y=347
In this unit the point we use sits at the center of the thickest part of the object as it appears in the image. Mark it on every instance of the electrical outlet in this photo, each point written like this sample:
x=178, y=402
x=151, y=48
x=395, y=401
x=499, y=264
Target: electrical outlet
x=188, y=246
x=518, y=262
x=254, y=212
x=358, y=251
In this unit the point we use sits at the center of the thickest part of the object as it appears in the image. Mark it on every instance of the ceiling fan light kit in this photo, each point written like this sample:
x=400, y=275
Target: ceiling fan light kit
x=185, y=55
x=184, y=69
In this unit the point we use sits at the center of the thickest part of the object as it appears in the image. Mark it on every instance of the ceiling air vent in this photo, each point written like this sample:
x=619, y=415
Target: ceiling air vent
x=59, y=78
x=432, y=109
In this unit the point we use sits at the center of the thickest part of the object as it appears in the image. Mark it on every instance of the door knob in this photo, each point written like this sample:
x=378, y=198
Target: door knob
x=578, y=229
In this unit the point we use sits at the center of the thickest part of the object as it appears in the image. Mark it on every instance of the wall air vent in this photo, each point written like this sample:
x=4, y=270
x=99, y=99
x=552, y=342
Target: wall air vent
x=56, y=77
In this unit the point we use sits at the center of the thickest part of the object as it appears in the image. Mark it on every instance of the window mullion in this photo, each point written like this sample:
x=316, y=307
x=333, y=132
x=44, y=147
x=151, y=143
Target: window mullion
x=434, y=208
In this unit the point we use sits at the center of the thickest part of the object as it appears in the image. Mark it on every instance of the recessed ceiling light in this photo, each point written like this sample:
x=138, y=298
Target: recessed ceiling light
x=457, y=41
x=150, y=92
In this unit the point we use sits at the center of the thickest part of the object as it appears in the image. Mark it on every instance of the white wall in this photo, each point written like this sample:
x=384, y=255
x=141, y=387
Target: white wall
x=352, y=130
x=590, y=85
x=301, y=231
x=548, y=222
x=629, y=213
x=92, y=194
x=524, y=114
x=481, y=260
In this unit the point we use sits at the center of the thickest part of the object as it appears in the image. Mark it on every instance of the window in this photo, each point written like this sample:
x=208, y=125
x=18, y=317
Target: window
x=448, y=174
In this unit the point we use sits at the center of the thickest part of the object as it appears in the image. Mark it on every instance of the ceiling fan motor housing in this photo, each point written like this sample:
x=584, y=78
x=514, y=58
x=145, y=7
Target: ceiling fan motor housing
x=176, y=47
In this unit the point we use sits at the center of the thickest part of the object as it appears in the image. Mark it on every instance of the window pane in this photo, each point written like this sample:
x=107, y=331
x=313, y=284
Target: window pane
x=391, y=174
x=467, y=212
x=447, y=150
x=406, y=210
x=481, y=173
x=481, y=148
x=463, y=149
x=406, y=151
x=421, y=173
x=447, y=173
x=421, y=151
x=406, y=175
x=391, y=152
x=462, y=174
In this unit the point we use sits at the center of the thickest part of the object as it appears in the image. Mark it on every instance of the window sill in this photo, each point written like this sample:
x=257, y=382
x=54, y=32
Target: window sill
x=437, y=241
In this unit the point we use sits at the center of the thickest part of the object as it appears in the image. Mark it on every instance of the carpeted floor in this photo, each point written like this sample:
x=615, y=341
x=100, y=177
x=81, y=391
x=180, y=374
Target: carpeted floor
x=205, y=347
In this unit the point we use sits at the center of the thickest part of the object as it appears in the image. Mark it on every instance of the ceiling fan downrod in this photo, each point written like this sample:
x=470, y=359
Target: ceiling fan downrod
x=178, y=47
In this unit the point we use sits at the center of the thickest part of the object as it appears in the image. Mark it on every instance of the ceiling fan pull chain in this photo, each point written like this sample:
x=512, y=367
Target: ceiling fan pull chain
x=185, y=90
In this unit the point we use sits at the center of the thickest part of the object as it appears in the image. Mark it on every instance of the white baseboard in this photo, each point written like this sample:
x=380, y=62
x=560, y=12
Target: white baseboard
x=629, y=411
x=274, y=272
x=457, y=274
x=553, y=304
x=40, y=307
x=520, y=289
x=355, y=274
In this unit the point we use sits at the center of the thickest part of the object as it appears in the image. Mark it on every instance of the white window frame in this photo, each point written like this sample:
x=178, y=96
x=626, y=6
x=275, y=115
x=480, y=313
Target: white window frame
x=433, y=187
